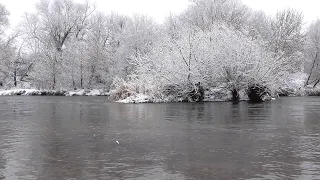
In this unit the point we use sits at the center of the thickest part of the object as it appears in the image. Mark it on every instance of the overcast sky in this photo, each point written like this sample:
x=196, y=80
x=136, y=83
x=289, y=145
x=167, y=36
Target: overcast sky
x=159, y=9
x=310, y=8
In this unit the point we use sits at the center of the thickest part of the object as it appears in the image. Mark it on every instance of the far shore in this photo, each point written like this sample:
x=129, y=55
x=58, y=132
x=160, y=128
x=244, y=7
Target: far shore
x=137, y=98
x=37, y=92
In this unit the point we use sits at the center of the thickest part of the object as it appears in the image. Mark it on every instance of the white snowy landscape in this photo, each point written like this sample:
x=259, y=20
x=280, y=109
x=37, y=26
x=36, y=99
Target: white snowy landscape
x=213, y=51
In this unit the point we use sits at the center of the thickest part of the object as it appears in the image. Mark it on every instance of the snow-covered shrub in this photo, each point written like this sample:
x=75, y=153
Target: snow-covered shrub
x=312, y=91
x=292, y=85
x=219, y=56
x=122, y=89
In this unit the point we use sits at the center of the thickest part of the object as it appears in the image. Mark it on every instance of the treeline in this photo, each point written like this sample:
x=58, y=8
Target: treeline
x=69, y=45
x=215, y=43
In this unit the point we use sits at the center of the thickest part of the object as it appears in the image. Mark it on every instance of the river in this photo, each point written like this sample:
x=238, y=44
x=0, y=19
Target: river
x=74, y=138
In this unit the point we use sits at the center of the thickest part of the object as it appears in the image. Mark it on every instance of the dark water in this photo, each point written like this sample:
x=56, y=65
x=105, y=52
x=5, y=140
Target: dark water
x=74, y=138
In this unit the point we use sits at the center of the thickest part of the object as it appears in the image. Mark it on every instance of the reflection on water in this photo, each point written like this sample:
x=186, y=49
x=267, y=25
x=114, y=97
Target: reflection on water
x=75, y=138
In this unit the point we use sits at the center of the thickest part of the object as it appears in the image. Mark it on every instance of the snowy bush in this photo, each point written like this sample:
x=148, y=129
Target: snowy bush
x=219, y=56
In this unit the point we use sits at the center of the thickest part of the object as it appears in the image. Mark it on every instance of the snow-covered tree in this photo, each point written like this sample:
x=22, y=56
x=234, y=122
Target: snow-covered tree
x=312, y=53
x=6, y=58
x=220, y=56
x=204, y=13
x=287, y=37
x=97, y=53
x=220, y=43
x=50, y=29
x=14, y=64
x=5, y=46
x=4, y=21
x=259, y=26
x=212, y=43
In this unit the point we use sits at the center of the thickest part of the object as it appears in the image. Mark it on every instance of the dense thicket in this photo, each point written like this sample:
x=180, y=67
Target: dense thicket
x=213, y=44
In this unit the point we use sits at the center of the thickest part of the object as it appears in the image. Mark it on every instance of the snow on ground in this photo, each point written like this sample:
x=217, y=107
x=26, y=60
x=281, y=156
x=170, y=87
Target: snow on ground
x=137, y=98
x=212, y=95
x=35, y=92
x=94, y=92
x=83, y=92
x=23, y=92
x=295, y=84
x=80, y=92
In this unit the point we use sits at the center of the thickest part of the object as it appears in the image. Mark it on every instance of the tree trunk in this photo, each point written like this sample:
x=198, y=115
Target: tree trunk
x=15, y=77
x=74, y=84
x=313, y=64
x=235, y=95
x=54, y=81
x=316, y=83
x=92, y=75
x=54, y=73
x=81, y=78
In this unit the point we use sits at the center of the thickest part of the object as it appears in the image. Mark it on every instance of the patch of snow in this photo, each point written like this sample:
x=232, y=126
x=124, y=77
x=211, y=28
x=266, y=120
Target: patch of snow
x=83, y=92
x=23, y=92
x=35, y=92
x=137, y=98
x=80, y=92
x=105, y=93
x=29, y=92
x=94, y=92
x=5, y=92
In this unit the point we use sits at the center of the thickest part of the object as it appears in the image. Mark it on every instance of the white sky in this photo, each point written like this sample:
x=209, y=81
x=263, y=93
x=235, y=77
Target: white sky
x=310, y=8
x=159, y=9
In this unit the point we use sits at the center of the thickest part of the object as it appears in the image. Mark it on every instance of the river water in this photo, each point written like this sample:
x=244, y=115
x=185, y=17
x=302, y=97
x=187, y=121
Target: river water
x=74, y=138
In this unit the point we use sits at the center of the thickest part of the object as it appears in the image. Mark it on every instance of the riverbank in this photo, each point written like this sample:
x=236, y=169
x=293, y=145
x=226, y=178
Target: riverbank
x=36, y=92
x=212, y=95
x=217, y=95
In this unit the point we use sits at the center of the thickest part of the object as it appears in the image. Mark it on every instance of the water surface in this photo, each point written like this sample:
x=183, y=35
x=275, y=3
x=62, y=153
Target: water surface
x=74, y=138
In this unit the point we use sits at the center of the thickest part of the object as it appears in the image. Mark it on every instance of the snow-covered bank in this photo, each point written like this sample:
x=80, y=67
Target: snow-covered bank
x=312, y=91
x=138, y=98
x=92, y=92
x=36, y=92
x=210, y=95
x=143, y=93
x=219, y=97
x=132, y=92
x=294, y=85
